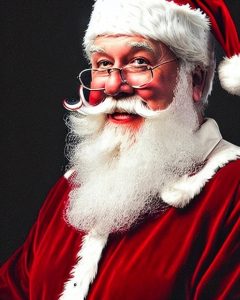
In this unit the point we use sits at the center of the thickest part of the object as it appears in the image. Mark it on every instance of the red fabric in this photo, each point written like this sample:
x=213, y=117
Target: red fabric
x=222, y=24
x=190, y=253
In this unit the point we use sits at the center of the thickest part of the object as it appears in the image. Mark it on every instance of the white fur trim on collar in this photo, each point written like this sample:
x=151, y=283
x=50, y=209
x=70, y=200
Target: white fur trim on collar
x=208, y=136
x=185, y=30
x=84, y=272
x=183, y=191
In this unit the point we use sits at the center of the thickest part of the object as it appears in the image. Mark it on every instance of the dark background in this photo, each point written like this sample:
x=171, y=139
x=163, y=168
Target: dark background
x=40, y=60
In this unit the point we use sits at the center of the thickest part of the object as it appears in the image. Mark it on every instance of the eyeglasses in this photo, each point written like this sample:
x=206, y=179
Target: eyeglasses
x=135, y=76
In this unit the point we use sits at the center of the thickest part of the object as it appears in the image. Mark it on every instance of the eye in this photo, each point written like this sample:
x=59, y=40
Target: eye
x=139, y=61
x=104, y=64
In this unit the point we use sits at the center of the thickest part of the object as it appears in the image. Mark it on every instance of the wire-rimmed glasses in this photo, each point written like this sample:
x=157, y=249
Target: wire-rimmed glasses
x=136, y=76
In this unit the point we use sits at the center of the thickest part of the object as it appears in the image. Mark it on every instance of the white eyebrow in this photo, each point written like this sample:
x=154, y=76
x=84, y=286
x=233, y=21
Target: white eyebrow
x=141, y=46
x=96, y=49
x=138, y=45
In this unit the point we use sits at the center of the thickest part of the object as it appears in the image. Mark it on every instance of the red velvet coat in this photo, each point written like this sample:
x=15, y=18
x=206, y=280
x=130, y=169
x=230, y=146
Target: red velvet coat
x=189, y=253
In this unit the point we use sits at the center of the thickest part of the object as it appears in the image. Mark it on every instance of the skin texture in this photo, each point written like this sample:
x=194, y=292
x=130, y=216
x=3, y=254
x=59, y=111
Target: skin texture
x=118, y=51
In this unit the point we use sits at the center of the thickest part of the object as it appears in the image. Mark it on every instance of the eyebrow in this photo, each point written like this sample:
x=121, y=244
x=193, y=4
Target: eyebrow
x=96, y=49
x=137, y=45
x=141, y=46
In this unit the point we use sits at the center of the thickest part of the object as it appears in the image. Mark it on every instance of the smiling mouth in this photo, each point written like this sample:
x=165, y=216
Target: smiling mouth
x=123, y=117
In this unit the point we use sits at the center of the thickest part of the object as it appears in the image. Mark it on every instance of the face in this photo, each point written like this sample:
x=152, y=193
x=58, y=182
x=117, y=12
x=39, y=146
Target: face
x=119, y=51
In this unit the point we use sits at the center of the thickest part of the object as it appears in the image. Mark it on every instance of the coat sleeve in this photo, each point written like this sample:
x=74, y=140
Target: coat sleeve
x=16, y=271
x=14, y=274
x=221, y=277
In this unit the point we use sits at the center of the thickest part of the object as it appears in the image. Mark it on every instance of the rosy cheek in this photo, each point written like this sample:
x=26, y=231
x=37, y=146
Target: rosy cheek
x=96, y=97
x=156, y=98
x=147, y=94
x=150, y=95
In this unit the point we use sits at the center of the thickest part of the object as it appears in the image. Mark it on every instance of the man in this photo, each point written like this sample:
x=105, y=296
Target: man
x=149, y=208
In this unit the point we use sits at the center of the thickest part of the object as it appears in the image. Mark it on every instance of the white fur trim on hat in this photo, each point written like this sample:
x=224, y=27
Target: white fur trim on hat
x=229, y=74
x=185, y=30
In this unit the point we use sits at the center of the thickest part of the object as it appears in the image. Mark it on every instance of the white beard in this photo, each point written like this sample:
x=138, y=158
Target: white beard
x=119, y=173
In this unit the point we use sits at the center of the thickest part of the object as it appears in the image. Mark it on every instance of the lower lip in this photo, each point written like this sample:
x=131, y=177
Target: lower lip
x=123, y=118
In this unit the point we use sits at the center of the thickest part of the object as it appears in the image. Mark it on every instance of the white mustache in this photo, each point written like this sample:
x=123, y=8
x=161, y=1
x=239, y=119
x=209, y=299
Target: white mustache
x=131, y=105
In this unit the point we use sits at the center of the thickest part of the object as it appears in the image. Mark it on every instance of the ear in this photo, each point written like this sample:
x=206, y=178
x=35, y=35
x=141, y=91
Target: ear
x=198, y=82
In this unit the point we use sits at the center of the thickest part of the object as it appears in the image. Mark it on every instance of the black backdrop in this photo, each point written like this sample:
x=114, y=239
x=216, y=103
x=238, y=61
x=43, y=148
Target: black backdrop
x=41, y=57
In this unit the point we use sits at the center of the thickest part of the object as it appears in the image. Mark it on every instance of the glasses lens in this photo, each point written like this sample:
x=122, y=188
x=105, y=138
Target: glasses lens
x=93, y=79
x=137, y=76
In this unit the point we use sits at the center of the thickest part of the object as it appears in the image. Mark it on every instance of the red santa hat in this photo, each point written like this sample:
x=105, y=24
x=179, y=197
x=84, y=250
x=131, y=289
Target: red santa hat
x=184, y=26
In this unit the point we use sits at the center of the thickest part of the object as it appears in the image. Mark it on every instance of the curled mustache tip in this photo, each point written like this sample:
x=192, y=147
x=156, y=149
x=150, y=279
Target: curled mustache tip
x=72, y=104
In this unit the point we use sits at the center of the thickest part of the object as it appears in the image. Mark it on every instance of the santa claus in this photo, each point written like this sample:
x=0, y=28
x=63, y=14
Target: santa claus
x=149, y=208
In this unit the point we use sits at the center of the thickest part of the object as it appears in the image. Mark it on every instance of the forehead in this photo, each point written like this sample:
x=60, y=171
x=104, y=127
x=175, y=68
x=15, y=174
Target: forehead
x=123, y=43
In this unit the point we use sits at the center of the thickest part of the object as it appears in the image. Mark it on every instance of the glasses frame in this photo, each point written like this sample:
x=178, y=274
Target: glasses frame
x=110, y=70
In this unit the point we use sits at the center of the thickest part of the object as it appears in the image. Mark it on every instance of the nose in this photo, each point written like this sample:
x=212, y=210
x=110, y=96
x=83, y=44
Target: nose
x=115, y=85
